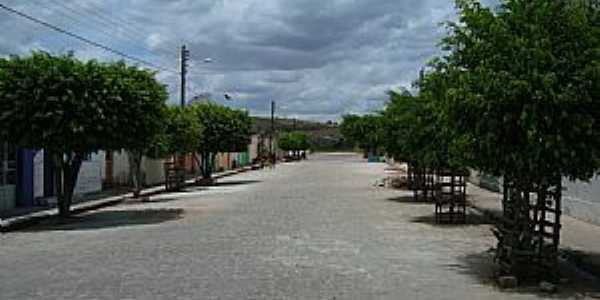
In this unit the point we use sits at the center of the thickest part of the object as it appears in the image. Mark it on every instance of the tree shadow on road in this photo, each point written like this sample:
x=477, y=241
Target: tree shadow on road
x=471, y=219
x=409, y=199
x=584, y=260
x=575, y=285
x=108, y=219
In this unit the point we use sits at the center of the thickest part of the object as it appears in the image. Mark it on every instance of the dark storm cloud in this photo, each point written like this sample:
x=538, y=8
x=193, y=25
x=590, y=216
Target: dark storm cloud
x=317, y=59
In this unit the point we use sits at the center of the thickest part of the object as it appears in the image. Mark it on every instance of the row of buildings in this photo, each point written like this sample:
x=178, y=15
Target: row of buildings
x=27, y=176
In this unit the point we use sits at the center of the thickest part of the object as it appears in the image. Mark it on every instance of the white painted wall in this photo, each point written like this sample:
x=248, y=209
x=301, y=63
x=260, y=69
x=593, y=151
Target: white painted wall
x=152, y=169
x=89, y=180
x=120, y=168
x=253, y=147
x=90, y=175
x=38, y=174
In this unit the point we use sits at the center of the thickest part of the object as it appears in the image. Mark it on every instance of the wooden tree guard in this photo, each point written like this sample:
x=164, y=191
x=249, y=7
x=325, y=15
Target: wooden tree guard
x=174, y=177
x=529, y=234
x=450, y=197
x=423, y=184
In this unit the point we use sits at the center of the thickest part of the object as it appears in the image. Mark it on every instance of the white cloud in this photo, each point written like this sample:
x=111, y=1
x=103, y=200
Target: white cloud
x=317, y=59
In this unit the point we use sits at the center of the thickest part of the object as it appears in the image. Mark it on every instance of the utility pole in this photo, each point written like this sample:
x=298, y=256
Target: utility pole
x=185, y=55
x=271, y=148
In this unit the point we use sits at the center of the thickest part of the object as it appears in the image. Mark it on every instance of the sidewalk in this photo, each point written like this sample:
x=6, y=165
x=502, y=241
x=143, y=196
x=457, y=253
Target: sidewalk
x=580, y=241
x=28, y=216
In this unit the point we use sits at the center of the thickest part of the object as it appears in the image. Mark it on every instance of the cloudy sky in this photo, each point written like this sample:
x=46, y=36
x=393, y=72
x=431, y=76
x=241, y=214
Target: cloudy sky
x=318, y=59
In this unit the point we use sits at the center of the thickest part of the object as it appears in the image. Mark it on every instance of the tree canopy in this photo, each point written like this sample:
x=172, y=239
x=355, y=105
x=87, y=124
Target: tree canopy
x=58, y=103
x=293, y=141
x=142, y=115
x=365, y=131
x=225, y=130
x=515, y=95
x=71, y=108
x=526, y=80
x=183, y=130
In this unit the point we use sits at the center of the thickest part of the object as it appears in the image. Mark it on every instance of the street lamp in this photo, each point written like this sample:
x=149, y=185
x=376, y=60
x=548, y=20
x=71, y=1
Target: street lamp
x=228, y=97
x=198, y=97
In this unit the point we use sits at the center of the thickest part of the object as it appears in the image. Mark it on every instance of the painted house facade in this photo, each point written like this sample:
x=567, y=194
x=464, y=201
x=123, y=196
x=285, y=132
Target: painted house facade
x=117, y=170
x=27, y=176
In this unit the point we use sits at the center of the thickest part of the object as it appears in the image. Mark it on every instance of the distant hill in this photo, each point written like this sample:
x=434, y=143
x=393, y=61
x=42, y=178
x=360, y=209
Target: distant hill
x=323, y=136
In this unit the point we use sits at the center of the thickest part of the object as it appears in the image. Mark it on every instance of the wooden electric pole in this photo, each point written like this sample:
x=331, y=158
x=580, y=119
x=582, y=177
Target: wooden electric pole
x=271, y=149
x=185, y=55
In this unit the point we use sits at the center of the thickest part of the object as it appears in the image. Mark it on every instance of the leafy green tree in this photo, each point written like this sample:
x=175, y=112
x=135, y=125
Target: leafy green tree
x=294, y=141
x=183, y=129
x=225, y=130
x=528, y=77
x=70, y=109
x=142, y=118
x=365, y=131
x=178, y=135
x=523, y=99
x=415, y=133
x=399, y=119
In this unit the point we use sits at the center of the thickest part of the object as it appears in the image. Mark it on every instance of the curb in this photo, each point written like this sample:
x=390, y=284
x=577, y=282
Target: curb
x=16, y=223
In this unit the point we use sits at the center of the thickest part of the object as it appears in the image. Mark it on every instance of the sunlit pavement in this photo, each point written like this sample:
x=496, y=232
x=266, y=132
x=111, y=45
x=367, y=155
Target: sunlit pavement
x=318, y=229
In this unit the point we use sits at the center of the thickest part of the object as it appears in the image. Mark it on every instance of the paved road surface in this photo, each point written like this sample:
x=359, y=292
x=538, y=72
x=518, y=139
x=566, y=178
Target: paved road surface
x=318, y=229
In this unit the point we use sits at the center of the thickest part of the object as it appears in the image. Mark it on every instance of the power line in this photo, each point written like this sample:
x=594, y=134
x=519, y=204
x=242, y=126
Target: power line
x=103, y=29
x=83, y=39
x=134, y=29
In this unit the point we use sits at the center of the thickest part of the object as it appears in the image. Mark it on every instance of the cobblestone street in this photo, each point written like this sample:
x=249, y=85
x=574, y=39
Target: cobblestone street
x=317, y=229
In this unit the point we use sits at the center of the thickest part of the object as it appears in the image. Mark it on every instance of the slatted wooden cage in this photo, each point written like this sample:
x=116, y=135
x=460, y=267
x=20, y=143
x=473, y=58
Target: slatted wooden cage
x=174, y=176
x=422, y=183
x=529, y=234
x=450, y=197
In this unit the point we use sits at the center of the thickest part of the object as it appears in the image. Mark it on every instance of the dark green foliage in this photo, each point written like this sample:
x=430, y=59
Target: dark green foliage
x=520, y=88
x=225, y=130
x=142, y=110
x=183, y=130
x=141, y=118
x=294, y=141
x=526, y=84
x=72, y=108
x=58, y=103
x=364, y=131
x=415, y=131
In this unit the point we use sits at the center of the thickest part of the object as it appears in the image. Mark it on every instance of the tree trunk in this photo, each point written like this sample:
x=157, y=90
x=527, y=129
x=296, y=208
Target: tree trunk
x=67, y=171
x=135, y=167
x=197, y=163
x=207, y=164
